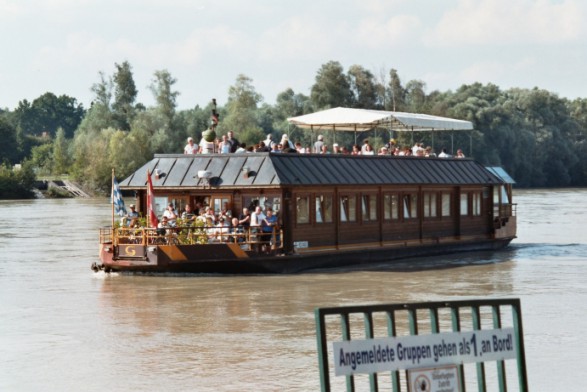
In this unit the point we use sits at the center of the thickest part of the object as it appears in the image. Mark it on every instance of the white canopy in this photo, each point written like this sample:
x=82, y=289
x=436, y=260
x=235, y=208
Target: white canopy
x=347, y=119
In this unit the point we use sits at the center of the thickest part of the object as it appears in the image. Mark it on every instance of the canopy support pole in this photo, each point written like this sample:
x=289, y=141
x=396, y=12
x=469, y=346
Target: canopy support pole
x=452, y=143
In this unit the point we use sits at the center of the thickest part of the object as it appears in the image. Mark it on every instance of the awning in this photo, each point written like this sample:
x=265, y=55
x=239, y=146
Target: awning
x=348, y=119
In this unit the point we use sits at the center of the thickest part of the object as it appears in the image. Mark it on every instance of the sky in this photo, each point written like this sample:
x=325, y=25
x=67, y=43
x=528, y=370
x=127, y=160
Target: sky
x=61, y=46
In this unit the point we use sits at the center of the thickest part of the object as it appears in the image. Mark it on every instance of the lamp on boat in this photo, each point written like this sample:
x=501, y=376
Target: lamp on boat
x=246, y=172
x=157, y=173
x=204, y=175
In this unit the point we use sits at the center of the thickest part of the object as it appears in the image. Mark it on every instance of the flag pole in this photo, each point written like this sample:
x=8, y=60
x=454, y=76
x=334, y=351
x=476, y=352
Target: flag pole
x=112, y=197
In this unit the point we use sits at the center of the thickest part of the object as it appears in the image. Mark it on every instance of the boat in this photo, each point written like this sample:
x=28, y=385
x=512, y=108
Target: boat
x=334, y=210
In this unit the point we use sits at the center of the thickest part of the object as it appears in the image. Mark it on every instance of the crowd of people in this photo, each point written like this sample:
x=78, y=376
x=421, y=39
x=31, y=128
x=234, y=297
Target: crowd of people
x=229, y=144
x=257, y=226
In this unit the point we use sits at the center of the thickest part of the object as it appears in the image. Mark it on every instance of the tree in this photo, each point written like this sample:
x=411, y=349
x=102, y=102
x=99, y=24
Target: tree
x=416, y=96
x=397, y=92
x=162, y=88
x=9, y=145
x=332, y=88
x=241, y=108
x=61, y=158
x=363, y=88
x=125, y=94
x=48, y=113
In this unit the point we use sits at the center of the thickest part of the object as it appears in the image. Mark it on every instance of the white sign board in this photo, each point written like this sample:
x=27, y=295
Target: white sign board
x=442, y=379
x=417, y=351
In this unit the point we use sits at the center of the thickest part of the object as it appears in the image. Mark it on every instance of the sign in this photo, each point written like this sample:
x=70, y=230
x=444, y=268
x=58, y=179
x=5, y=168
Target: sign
x=418, y=351
x=442, y=379
x=300, y=244
x=131, y=251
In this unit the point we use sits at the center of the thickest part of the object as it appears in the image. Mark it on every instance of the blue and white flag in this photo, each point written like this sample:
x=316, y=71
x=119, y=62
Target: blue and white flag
x=117, y=199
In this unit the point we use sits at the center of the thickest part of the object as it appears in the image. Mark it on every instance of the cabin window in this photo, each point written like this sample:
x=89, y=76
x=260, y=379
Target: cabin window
x=323, y=209
x=348, y=208
x=430, y=205
x=302, y=209
x=221, y=203
x=464, y=204
x=476, y=203
x=369, y=208
x=445, y=204
x=390, y=207
x=160, y=205
x=410, y=206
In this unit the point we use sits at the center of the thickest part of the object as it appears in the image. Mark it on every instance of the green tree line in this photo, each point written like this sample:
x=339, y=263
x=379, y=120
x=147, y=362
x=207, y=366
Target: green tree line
x=536, y=136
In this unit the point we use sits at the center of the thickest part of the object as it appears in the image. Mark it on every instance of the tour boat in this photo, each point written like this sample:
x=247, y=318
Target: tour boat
x=333, y=211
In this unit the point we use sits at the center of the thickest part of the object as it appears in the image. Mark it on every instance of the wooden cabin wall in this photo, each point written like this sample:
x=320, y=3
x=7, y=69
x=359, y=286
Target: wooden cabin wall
x=444, y=219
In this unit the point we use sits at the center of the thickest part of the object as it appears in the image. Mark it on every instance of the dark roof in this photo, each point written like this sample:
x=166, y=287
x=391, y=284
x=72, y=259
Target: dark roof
x=269, y=169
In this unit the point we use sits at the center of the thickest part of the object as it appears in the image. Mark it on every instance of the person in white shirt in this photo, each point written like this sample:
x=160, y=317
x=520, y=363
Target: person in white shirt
x=170, y=214
x=191, y=148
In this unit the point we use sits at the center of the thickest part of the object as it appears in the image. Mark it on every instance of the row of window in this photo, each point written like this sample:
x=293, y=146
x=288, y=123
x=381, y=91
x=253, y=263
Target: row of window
x=396, y=206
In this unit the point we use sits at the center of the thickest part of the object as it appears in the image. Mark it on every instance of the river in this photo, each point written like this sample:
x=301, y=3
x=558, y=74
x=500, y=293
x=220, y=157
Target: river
x=65, y=328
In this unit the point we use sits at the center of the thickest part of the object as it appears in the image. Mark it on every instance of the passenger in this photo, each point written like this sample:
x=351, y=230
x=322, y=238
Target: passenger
x=383, y=151
x=222, y=229
x=131, y=218
x=191, y=148
x=163, y=228
x=268, y=142
x=364, y=147
x=276, y=148
x=299, y=148
x=171, y=215
x=368, y=150
x=429, y=153
x=286, y=143
x=209, y=215
x=207, y=147
x=256, y=218
x=268, y=224
x=460, y=154
x=237, y=231
x=318, y=145
x=188, y=215
x=336, y=149
x=224, y=146
x=244, y=219
x=324, y=149
x=417, y=147
x=356, y=150
x=241, y=148
x=234, y=143
x=443, y=154
x=345, y=151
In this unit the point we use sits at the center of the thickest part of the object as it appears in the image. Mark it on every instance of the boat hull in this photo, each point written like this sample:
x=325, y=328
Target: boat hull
x=226, y=259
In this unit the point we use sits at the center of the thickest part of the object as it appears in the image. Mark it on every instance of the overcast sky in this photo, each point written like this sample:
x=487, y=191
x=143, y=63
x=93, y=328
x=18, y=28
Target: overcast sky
x=60, y=46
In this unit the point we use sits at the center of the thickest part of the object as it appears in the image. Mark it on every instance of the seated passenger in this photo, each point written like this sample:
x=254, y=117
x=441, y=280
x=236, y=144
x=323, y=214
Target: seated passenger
x=131, y=218
x=170, y=214
x=191, y=148
x=188, y=216
x=163, y=228
x=460, y=154
x=237, y=231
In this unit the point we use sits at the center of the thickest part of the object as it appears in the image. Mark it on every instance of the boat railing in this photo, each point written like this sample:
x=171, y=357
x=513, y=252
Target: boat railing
x=194, y=235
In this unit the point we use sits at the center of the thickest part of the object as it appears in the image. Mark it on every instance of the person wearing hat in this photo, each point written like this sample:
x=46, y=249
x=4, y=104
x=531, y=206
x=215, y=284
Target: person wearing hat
x=131, y=218
x=191, y=147
x=286, y=143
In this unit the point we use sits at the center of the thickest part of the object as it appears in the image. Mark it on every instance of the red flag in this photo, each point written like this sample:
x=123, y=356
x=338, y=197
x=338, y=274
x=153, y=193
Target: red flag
x=151, y=202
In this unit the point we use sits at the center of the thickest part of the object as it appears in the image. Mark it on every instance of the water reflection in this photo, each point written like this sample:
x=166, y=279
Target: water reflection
x=69, y=328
